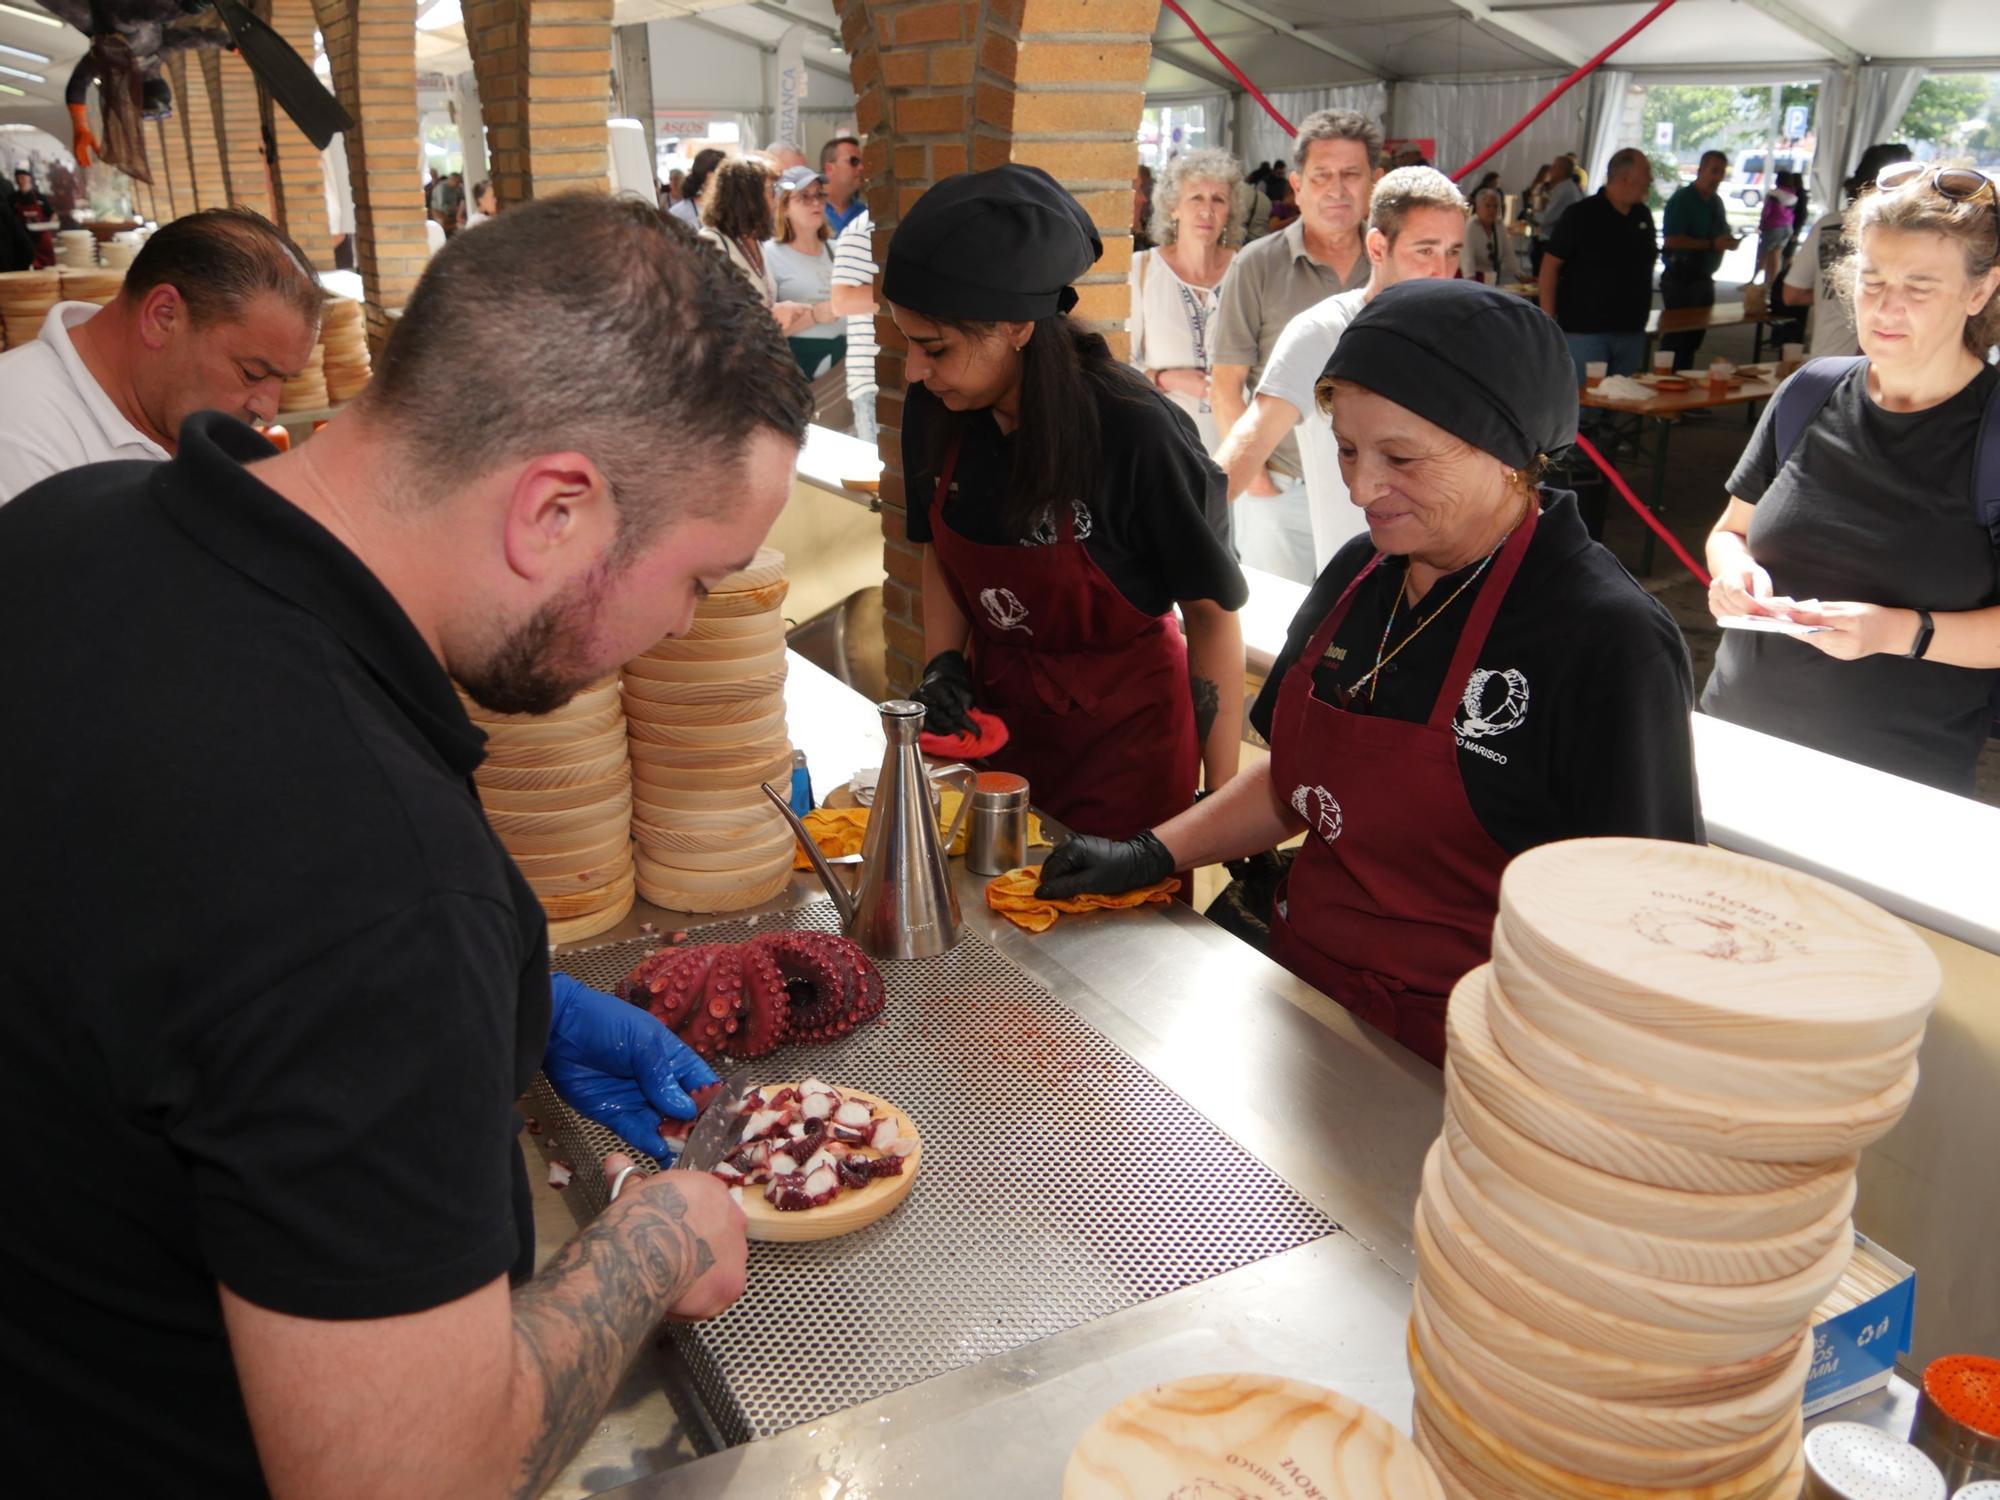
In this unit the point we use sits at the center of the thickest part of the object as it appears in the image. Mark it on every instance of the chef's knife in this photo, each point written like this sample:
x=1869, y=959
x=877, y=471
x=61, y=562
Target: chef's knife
x=715, y=1131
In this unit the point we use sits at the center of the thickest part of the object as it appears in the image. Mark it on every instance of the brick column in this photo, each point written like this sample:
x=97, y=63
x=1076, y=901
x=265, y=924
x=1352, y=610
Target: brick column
x=242, y=134
x=544, y=74
x=946, y=85
x=174, y=170
x=371, y=45
x=194, y=104
x=298, y=181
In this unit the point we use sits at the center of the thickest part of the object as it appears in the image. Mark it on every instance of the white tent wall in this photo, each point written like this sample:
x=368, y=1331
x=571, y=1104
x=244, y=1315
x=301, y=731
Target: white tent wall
x=1880, y=100
x=1466, y=118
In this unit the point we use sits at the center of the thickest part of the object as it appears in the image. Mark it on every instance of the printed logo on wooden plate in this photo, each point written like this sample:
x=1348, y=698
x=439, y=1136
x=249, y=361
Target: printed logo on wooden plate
x=1245, y=1437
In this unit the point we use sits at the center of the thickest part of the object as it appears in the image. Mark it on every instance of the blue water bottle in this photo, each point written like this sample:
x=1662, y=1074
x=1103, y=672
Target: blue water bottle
x=802, y=787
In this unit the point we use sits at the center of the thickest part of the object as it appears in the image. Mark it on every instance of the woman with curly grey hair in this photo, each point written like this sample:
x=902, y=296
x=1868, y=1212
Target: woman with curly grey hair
x=1175, y=287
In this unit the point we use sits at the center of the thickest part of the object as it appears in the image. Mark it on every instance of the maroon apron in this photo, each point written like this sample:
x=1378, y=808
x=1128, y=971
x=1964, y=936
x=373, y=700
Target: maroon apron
x=1094, y=692
x=1392, y=896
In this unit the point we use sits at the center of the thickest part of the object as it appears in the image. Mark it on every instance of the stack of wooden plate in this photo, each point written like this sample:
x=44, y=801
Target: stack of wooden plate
x=706, y=717
x=1654, y=1098
x=343, y=342
x=96, y=285
x=558, y=791
x=25, y=300
x=76, y=249
x=306, y=391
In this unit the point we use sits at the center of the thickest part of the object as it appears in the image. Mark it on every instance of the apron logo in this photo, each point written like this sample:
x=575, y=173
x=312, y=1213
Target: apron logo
x=1044, y=534
x=1316, y=805
x=1005, y=610
x=1487, y=713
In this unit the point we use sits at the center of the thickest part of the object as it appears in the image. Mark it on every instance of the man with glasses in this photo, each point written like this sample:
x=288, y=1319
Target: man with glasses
x=840, y=165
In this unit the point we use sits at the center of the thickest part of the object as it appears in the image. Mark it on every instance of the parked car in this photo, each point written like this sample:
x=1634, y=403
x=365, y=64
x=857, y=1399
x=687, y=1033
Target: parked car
x=1747, y=180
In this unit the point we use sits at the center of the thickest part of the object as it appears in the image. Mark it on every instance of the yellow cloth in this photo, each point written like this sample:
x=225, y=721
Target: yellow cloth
x=1013, y=896
x=839, y=830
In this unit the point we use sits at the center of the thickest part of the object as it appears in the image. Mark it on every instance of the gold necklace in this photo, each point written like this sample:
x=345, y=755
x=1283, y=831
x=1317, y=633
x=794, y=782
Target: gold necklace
x=1347, y=695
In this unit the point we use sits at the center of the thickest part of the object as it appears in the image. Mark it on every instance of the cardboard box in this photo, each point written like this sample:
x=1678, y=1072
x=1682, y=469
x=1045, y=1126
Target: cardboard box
x=1861, y=1327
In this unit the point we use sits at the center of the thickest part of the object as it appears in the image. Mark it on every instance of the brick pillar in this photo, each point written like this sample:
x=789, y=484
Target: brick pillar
x=174, y=171
x=242, y=134
x=196, y=92
x=946, y=85
x=371, y=45
x=544, y=74
x=298, y=181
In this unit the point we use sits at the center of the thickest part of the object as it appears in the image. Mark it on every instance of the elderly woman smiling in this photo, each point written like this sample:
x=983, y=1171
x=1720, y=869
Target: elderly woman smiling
x=1174, y=288
x=1472, y=678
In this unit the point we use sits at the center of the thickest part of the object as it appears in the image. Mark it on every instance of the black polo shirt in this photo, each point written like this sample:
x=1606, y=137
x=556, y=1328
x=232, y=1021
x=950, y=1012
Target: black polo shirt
x=1605, y=284
x=1158, y=526
x=1575, y=722
x=270, y=986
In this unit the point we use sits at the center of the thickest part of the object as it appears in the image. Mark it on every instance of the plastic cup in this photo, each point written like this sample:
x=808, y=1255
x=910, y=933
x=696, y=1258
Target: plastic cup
x=1594, y=372
x=1663, y=362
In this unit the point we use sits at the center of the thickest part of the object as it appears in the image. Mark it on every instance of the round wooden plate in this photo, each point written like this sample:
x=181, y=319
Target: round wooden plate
x=1686, y=1429
x=565, y=904
x=1787, y=1083
x=541, y=778
x=850, y=1210
x=556, y=731
x=777, y=771
x=742, y=601
x=706, y=692
x=1209, y=1435
x=767, y=566
x=587, y=750
x=676, y=731
x=554, y=799
x=734, y=627
x=648, y=793
x=1718, y=948
x=746, y=673
x=1550, y=1438
x=1744, y=1128
x=1556, y=1310
x=1762, y=1315
x=509, y=823
x=1567, y=1128
x=681, y=651
x=614, y=826
x=576, y=929
x=1589, y=1371
x=1641, y=1205
x=703, y=894
x=1495, y=1468
x=1698, y=1262
x=592, y=700
x=729, y=711
x=576, y=864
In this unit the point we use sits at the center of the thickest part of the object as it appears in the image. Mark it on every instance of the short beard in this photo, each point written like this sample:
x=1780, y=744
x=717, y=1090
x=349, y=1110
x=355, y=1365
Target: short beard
x=541, y=663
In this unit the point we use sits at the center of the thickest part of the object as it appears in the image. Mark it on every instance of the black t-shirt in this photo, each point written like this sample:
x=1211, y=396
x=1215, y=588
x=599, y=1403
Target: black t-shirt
x=1583, y=688
x=1158, y=525
x=270, y=985
x=1606, y=281
x=1874, y=506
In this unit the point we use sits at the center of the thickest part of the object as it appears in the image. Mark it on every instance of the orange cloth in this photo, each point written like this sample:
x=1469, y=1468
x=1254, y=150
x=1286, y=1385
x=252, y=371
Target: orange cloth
x=1013, y=896
x=840, y=830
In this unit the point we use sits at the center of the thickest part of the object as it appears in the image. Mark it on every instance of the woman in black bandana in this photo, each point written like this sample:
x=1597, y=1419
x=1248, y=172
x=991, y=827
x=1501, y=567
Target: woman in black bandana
x=1472, y=678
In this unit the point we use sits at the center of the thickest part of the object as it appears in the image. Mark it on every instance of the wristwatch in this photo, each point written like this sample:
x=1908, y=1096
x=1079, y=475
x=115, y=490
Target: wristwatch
x=1925, y=630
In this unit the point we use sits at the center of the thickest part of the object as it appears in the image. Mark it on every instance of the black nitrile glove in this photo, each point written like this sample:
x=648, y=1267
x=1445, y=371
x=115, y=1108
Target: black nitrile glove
x=946, y=693
x=1103, y=867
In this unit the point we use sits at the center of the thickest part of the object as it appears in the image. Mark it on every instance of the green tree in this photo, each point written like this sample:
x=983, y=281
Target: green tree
x=1940, y=105
x=1698, y=114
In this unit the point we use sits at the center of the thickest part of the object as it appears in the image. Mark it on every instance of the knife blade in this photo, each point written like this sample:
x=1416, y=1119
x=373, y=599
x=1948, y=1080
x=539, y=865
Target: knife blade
x=714, y=1132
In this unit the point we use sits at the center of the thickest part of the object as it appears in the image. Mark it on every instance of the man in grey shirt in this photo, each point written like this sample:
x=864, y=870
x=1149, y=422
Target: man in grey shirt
x=1564, y=193
x=1320, y=253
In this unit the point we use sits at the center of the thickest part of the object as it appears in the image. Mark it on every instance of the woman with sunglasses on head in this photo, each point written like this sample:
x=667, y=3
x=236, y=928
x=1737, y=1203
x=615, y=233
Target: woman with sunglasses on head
x=1865, y=535
x=801, y=263
x=1065, y=508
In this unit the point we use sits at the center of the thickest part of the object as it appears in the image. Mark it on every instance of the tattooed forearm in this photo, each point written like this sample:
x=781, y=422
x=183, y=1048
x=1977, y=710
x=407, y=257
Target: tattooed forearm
x=579, y=1324
x=1207, y=702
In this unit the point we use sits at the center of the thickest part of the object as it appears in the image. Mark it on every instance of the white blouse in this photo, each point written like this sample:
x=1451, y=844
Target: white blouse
x=1172, y=327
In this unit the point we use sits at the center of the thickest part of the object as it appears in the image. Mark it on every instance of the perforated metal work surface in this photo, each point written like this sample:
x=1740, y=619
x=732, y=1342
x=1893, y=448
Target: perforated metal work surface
x=1061, y=1182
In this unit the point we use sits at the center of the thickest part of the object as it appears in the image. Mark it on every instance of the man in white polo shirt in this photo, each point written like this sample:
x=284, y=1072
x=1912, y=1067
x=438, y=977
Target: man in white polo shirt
x=1416, y=229
x=219, y=309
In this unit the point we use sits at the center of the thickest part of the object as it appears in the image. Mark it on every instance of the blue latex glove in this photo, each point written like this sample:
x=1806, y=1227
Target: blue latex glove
x=618, y=1065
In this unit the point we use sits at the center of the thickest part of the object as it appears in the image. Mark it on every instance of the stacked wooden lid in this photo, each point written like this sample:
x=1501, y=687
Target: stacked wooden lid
x=343, y=342
x=306, y=391
x=1654, y=1098
x=25, y=300
x=93, y=285
x=76, y=249
x=706, y=717
x=558, y=791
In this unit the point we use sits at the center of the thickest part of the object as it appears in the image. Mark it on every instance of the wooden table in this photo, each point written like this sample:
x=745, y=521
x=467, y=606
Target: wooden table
x=1720, y=315
x=1661, y=409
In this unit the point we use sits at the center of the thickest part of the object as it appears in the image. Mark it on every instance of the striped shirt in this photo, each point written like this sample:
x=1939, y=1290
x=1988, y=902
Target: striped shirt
x=854, y=265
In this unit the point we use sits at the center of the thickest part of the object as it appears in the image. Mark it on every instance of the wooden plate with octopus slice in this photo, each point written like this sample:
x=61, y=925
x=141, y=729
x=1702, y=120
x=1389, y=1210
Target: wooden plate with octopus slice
x=853, y=1208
